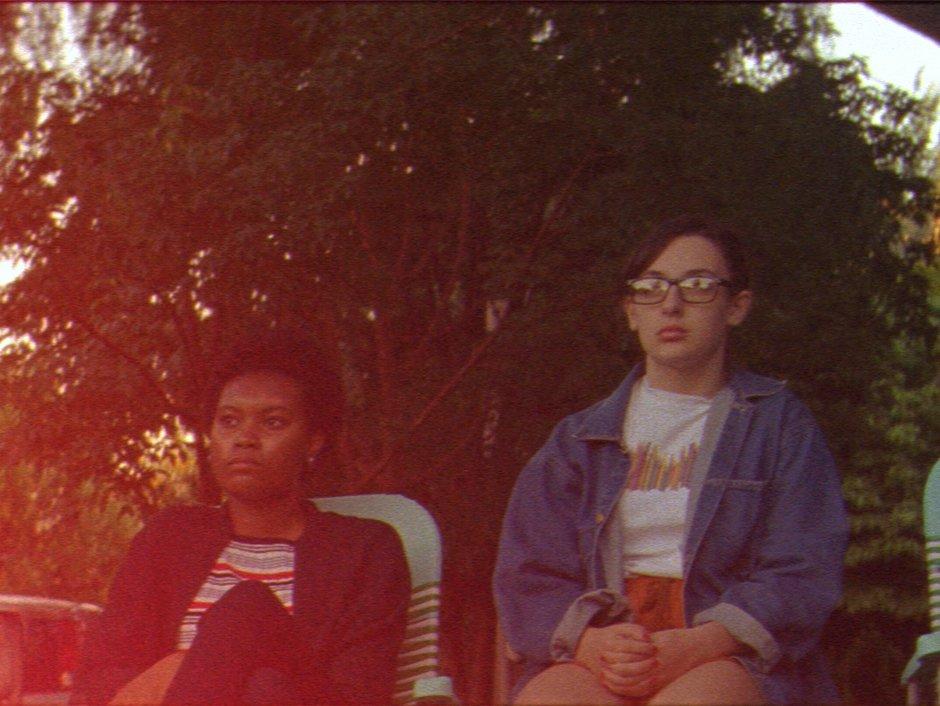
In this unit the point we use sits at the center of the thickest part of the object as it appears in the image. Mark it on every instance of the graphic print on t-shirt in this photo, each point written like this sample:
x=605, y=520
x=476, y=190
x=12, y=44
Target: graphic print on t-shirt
x=662, y=433
x=650, y=469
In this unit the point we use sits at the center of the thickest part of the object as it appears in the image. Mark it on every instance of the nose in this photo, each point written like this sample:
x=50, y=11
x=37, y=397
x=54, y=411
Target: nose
x=247, y=436
x=673, y=301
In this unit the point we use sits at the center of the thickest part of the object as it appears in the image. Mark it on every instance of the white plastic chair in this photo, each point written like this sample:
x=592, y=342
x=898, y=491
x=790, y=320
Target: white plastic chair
x=419, y=680
x=923, y=666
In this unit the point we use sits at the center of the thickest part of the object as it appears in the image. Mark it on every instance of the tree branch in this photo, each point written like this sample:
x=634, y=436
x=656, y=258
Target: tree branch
x=140, y=367
x=463, y=234
x=487, y=341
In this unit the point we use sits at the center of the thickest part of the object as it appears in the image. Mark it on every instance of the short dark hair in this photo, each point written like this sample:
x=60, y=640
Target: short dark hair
x=292, y=355
x=725, y=238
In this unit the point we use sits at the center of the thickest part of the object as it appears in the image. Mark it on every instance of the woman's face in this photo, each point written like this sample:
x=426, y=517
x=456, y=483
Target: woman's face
x=261, y=439
x=677, y=335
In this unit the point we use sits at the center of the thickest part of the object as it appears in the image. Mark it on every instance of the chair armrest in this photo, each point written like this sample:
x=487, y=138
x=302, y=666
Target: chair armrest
x=928, y=650
x=433, y=690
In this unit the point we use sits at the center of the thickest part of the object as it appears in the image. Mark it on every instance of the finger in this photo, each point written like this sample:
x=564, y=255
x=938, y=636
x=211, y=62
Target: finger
x=632, y=630
x=626, y=687
x=622, y=685
x=628, y=650
x=644, y=688
x=632, y=669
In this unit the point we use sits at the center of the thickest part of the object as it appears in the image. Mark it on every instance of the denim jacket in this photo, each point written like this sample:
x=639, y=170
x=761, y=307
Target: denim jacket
x=765, y=536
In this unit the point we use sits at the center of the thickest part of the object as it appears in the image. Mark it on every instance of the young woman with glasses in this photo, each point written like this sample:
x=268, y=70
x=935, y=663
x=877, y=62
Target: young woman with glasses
x=682, y=540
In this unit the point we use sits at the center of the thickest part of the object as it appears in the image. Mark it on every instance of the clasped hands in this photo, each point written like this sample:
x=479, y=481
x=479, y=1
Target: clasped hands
x=630, y=661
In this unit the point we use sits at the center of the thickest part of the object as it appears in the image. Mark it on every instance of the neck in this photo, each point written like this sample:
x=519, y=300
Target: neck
x=704, y=380
x=271, y=518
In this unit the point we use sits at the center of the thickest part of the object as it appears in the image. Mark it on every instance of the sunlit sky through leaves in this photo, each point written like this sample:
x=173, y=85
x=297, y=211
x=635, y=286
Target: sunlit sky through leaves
x=895, y=54
x=10, y=270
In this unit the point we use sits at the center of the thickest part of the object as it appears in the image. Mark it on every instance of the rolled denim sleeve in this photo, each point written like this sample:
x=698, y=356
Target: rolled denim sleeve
x=542, y=589
x=793, y=578
x=744, y=628
x=601, y=605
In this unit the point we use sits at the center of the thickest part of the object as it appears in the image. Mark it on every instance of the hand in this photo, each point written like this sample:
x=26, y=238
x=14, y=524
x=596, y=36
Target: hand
x=621, y=656
x=677, y=653
x=683, y=649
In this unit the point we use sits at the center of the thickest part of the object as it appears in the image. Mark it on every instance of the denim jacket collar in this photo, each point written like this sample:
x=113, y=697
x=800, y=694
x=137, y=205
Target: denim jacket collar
x=605, y=421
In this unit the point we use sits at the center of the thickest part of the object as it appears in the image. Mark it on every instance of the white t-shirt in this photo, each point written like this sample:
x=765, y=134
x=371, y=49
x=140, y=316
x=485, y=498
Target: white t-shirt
x=662, y=433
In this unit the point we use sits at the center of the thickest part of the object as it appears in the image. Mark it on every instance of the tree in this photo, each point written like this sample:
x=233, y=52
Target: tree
x=381, y=176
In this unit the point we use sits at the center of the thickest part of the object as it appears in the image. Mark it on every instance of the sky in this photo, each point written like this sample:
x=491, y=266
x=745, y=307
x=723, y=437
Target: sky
x=895, y=54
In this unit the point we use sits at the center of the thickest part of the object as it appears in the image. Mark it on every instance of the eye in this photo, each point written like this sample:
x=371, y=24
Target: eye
x=226, y=420
x=648, y=284
x=276, y=421
x=701, y=284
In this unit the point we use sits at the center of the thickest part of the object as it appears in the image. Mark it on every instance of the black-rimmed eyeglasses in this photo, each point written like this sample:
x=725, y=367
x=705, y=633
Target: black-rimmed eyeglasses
x=697, y=289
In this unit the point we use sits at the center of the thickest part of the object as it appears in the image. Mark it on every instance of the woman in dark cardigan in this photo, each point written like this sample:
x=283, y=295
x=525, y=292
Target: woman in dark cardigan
x=263, y=599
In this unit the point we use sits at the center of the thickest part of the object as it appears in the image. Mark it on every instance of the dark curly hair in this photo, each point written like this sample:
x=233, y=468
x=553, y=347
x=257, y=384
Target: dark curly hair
x=293, y=356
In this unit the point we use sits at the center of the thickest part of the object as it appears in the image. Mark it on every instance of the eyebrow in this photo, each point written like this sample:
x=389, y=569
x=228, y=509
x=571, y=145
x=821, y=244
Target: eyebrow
x=237, y=408
x=687, y=273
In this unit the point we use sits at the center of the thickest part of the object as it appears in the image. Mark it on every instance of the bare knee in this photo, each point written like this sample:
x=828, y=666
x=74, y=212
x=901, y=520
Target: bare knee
x=723, y=682
x=564, y=685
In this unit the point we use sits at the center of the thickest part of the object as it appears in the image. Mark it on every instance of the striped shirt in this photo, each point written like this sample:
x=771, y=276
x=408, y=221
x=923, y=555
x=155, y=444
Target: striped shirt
x=243, y=559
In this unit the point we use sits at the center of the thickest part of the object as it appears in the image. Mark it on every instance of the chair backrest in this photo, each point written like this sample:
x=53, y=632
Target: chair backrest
x=419, y=678
x=932, y=542
x=924, y=665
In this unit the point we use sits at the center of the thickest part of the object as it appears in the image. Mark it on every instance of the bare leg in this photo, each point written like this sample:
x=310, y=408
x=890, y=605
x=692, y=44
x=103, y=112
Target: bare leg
x=721, y=682
x=565, y=685
x=149, y=687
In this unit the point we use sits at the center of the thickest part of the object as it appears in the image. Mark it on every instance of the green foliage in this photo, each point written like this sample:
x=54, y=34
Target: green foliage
x=895, y=445
x=60, y=540
x=65, y=539
x=892, y=456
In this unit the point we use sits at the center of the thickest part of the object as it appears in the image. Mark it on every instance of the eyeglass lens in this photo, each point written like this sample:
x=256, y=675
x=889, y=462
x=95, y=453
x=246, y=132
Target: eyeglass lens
x=693, y=290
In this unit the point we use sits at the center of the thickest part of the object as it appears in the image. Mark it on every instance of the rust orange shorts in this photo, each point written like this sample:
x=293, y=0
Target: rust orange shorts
x=656, y=602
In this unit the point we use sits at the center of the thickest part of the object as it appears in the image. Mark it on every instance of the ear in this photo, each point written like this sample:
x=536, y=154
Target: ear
x=628, y=309
x=739, y=307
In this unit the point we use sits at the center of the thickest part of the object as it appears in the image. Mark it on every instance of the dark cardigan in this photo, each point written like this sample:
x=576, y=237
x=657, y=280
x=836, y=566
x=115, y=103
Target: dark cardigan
x=351, y=592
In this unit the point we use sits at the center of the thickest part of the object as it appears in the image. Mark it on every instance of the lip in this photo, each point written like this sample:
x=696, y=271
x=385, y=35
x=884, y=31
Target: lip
x=242, y=463
x=672, y=333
